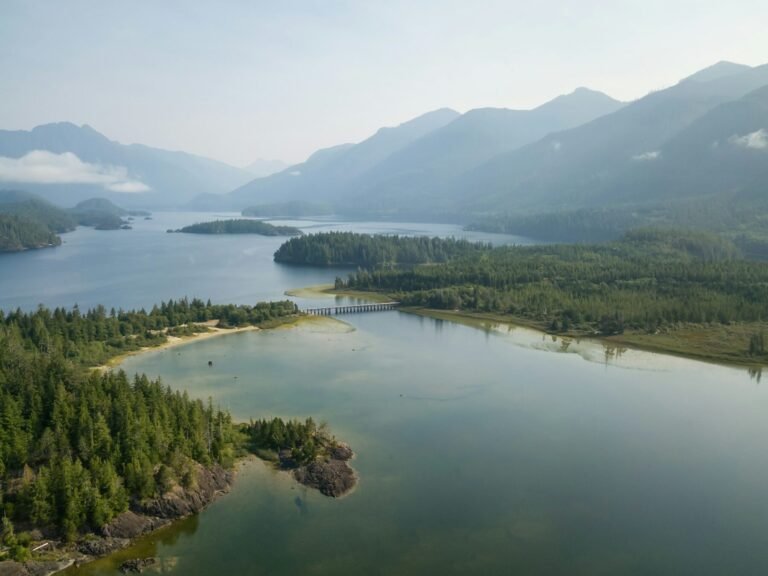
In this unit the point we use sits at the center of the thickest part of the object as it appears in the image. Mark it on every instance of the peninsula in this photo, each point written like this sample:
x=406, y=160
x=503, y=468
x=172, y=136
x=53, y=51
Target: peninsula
x=680, y=292
x=90, y=459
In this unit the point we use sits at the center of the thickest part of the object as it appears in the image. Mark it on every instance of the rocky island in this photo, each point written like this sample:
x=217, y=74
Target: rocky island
x=314, y=457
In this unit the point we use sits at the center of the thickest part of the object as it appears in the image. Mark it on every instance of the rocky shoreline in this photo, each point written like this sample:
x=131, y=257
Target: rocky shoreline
x=140, y=519
x=331, y=475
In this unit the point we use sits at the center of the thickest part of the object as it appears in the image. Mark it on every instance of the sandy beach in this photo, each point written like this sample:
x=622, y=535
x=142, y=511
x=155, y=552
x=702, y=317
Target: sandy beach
x=176, y=341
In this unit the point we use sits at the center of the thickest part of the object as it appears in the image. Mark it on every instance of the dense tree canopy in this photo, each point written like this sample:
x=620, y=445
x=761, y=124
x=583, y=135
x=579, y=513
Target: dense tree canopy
x=367, y=251
x=649, y=278
x=240, y=226
x=77, y=445
x=20, y=233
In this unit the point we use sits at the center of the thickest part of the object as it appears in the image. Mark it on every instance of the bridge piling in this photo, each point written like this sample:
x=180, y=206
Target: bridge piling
x=352, y=309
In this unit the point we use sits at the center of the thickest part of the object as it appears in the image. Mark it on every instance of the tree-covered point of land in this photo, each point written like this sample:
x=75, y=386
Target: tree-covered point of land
x=77, y=446
x=649, y=279
x=368, y=251
x=240, y=226
x=27, y=222
x=92, y=337
x=21, y=233
x=32, y=207
x=303, y=441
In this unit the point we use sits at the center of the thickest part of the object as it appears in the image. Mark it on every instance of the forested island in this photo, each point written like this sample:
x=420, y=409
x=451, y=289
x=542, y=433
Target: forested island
x=239, y=226
x=87, y=453
x=101, y=214
x=369, y=251
x=683, y=292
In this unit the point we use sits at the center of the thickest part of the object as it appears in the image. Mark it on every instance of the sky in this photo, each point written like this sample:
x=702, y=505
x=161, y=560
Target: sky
x=241, y=80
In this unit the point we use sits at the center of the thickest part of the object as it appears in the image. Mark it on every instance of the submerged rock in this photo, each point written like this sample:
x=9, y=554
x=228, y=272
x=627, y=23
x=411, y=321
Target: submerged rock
x=136, y=565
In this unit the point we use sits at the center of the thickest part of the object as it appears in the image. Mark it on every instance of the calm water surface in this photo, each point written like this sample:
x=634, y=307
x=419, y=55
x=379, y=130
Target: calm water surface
x=479, y=451
x=140, y=267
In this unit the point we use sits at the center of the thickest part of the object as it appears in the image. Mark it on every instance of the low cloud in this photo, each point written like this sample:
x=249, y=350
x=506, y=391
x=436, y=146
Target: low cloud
x=755, y=140
x=556, y=146
x=43, y=167
x=647, y=156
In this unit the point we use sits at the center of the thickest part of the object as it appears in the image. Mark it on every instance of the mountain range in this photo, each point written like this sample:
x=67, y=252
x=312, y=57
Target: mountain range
x=419, y=158
x=676, y=143
x=584, y=164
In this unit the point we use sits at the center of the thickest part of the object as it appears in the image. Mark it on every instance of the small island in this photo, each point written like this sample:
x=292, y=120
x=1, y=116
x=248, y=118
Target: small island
x=239, y=226
x=314, y=456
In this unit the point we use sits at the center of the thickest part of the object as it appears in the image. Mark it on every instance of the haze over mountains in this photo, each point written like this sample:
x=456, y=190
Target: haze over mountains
x=66, y=163
x=422, y=155
x=685, y=155
x=261, y=167
x=633, y=155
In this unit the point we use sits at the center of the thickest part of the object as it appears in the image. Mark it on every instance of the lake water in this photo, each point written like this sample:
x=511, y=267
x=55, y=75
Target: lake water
x=140, y=267
x=480, y=450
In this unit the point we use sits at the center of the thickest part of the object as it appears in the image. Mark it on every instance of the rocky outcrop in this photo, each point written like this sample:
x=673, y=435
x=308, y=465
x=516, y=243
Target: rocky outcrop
x=341, y=451
x=181, y=502
x=142, y=518
x=102, y=546
x=332, y=476
x=128, y=525
x=151, y=514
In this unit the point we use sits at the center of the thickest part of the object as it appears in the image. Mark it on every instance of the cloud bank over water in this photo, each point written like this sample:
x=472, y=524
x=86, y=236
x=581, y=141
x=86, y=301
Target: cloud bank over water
x=43, y=167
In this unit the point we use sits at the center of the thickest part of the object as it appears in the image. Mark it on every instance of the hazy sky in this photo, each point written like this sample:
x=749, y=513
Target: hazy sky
x=239, y=80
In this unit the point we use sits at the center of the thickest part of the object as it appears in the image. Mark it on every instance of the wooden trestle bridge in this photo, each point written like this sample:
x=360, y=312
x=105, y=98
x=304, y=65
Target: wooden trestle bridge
x=352, y=309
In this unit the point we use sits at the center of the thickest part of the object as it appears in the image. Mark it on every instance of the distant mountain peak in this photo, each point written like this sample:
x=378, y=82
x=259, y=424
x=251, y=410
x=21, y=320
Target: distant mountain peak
x=581, y=97
x=64, y=125
x=586, y=90
x=716, y=71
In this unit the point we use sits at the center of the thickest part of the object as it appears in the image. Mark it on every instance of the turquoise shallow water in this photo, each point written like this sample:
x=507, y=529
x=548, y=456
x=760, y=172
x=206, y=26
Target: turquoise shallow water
x=479, y=451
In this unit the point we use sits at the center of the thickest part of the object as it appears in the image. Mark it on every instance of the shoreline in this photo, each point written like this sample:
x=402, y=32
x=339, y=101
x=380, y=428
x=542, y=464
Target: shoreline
x=178, y=341
x=330, y=291
x=630, y=340
x=691, y=341
x=99, y=545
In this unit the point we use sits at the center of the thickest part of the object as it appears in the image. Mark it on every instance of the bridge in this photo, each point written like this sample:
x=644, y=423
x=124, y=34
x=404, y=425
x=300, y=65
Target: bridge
x=352, y=309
